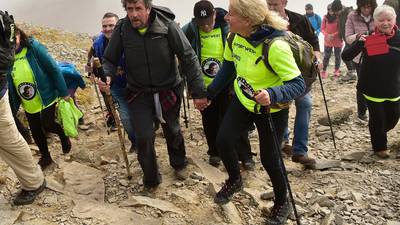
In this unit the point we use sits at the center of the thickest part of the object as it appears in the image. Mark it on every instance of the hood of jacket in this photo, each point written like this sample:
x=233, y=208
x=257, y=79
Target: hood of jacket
x=160, y=18
x=262, y=33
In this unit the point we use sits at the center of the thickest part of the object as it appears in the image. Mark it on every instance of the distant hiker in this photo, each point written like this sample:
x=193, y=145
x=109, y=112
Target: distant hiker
x=100, y=43
x=332, y=41
x=207, y=34
x=379, y=82
x=256, y=88
x=314, y=19
x=341, y=12
x=360, y=22
x=118, y=87
x=13, y=149
x=396, y=5
x=36, y=83
x=299, y=25
x=149, y=39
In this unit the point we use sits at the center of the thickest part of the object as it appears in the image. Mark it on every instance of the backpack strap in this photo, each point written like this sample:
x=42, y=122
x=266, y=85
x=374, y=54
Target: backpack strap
x=229, y=40
x=394, y=48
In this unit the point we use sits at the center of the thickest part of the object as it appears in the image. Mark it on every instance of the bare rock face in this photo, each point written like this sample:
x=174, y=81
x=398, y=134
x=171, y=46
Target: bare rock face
x=337, y=116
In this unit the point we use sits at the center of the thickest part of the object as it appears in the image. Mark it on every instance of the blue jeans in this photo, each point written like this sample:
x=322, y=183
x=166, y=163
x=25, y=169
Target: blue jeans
x=301, y=123
x=119, y=95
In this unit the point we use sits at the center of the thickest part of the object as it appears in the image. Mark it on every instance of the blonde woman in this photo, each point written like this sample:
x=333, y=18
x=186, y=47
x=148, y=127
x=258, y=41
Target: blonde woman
x=256, y=88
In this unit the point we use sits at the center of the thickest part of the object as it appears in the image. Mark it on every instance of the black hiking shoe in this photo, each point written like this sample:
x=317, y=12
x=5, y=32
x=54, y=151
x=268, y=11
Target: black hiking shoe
x=225, y=194
x=27, y=197
x=279, y=213
x=66, y=145
x=248, y=164
x=45, y=162
x=214, y=160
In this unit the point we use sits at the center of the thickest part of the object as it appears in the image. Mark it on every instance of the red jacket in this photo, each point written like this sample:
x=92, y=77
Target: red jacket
x=331, y=33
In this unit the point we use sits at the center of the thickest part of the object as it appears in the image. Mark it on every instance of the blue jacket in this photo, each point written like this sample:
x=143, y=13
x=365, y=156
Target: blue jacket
x=191, y=30
x=316, y=22
x=72, y=77
x=99, y=46
x=48, y=77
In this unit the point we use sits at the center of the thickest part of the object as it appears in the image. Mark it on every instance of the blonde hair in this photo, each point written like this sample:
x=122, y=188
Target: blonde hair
x=258, y=13
x=384, y=9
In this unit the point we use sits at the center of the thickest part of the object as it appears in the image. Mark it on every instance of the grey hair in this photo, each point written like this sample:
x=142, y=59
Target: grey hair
x=384, y=9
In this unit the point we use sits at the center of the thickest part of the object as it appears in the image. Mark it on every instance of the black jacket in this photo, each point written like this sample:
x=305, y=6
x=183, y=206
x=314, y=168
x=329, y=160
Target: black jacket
x=380, y=74
x=150, y=60
x=301, y=26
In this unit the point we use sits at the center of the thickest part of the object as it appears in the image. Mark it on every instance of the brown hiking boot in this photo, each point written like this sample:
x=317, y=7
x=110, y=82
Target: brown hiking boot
x=304, y=159
x=287, y=149
x=383, y=154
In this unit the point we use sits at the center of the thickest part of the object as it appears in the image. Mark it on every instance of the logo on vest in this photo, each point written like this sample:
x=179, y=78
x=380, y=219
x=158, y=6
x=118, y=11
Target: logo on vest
x=27, y=90
x=211, y=67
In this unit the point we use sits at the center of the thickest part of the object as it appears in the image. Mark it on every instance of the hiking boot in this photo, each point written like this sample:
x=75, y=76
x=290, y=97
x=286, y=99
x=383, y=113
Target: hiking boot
x=181, y=174
x=349, y=76
x=230, y=187
x=66, y=145
x=337, y=73
x=248, y=164
x=214, y=160
x=324, y=74
x=111, y=124
x=304, y=159
x=279, y=213
x=383, y=154
x=27, y=197
x=45, y=162
x=287, y=149
x=363, y=117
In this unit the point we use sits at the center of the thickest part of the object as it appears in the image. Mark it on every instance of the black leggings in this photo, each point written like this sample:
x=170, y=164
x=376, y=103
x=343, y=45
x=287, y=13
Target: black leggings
x=41, y=122
x=237, y=120
x=383, y=116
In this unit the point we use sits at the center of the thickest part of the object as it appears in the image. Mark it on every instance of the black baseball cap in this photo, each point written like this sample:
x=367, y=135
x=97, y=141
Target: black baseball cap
x=203, y=12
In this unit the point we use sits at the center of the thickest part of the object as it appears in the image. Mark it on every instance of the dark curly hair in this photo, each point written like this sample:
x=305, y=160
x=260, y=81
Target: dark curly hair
x=361, y=3
x=147, y=3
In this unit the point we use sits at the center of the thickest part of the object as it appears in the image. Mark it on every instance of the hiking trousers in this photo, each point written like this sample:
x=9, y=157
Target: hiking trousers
x=15, y=151
x=237, y=120
x=45, y=121
x=212, y=118
x=143, y=116
x=383, y=116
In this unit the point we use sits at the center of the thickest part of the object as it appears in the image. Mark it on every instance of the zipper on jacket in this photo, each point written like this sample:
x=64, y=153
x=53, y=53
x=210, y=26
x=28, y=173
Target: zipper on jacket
x=147, y=60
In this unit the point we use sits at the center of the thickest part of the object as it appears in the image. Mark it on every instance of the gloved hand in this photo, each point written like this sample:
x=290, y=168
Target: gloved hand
x=7, y=41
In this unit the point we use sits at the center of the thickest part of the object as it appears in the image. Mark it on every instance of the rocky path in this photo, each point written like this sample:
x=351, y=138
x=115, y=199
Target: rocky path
x=89, y=186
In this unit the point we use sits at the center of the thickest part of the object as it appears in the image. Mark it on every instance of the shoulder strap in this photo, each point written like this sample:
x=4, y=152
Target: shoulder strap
x=265, y=51
x=229, y=40
x=394, y=48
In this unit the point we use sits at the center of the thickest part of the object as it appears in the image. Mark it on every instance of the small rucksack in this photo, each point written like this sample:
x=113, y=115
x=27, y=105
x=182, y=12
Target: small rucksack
x=303, y=54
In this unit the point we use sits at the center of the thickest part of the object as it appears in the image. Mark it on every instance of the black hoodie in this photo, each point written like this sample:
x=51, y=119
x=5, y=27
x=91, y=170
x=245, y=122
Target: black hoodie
x=150, y=60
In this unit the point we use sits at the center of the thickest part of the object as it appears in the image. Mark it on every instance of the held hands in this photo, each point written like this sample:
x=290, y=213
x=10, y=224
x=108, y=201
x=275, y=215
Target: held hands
x=201, y=103
x=262, y=98
x=104, y=87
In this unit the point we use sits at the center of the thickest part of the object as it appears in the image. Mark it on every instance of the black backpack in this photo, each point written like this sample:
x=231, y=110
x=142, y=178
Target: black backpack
x=303, y=54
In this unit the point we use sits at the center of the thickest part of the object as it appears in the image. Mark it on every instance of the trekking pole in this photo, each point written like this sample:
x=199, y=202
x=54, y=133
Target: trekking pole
x=188, y=117
x=109, y=99
x=327, y=111
x=283, y=167
x=101, y=104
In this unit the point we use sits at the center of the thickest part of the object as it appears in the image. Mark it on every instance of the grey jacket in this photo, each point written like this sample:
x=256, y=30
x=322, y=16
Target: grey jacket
x=150, y=62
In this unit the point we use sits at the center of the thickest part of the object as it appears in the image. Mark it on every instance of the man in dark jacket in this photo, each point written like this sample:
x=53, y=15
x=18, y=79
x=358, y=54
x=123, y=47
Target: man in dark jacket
x=299, y=25
x=207, y=33
x=150, y=39
x=13, y=148
x=342, y=13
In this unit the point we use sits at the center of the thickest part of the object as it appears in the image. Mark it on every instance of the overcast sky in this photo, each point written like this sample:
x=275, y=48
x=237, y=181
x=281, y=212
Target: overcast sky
x=85, y=15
